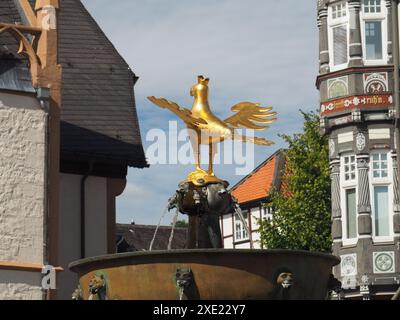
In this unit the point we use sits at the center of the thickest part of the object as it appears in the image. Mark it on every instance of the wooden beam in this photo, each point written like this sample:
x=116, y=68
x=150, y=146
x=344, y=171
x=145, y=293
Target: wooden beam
x=24, y=266
x=42, y=3
x=28, y=12
x=22, y=28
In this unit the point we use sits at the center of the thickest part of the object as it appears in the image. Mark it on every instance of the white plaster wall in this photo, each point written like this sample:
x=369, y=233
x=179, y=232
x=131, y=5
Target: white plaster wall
x=20, y=285
x=245, y=245
x=255, y=217
x=228, y=243
x=227, y=225
x=69, y=223
x=256, y=240
x=22, y=188
x=22, y=160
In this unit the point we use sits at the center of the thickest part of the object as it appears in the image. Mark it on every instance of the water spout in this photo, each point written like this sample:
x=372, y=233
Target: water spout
x=181, y=291
x=158, y=226
x=171, y=237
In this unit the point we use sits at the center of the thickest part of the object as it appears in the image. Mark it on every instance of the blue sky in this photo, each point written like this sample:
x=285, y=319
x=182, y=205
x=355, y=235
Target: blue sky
x=256, y=50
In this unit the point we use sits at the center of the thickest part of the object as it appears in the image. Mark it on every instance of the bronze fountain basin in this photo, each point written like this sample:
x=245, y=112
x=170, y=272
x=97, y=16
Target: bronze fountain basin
x=206, y=274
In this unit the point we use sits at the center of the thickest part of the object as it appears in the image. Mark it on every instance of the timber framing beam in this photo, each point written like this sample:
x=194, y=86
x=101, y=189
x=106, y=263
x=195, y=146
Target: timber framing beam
x=22, y=28
x=24, y=266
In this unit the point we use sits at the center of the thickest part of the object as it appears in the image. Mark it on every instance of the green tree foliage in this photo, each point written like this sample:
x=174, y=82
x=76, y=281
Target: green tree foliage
x=302, y=211
x=181, y=224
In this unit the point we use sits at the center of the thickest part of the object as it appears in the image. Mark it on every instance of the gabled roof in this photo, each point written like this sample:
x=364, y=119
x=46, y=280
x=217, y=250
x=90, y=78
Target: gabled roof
x=98, y=105
x=258, y=184
x=131, y=237
x=98, y=111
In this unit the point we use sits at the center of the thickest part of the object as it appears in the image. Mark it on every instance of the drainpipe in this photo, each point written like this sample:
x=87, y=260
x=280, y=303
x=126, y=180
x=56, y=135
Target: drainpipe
x=43, y=95
x=395, y=32
x=83, y=212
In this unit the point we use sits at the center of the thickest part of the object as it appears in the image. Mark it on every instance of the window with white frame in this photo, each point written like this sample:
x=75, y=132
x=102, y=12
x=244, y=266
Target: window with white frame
x=380, y=165
x=339, y=10
x=372, y=6
x=338, y=35
x=240, y=229
x=349, y=165
x=348, y=185
x=267, y=212
x=381, y=189
x=374, y=31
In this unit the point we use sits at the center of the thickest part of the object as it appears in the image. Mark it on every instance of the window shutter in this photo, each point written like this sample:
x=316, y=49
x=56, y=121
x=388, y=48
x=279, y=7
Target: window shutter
x=339, y=45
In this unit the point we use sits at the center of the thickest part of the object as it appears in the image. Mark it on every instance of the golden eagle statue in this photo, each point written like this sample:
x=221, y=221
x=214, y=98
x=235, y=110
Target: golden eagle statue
x=206, y=128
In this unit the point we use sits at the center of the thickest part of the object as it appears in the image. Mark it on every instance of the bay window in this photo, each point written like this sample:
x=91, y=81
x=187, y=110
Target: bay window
x=381, y=196
x=349, y=198
x=338, y=35
x=374, y=31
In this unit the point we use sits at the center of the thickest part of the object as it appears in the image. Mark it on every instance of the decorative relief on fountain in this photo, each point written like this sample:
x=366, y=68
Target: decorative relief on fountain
x=186, y=285
x=98, y=287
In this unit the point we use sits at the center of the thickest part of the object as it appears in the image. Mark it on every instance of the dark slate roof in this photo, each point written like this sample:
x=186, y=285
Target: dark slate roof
x=98, y=111
x=14, y=72
x=131, y=237
x=14, y=69
x=98, y=105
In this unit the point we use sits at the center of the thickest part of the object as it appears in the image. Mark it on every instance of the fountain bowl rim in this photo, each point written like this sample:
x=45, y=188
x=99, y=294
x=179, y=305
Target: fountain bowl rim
x=73, y=266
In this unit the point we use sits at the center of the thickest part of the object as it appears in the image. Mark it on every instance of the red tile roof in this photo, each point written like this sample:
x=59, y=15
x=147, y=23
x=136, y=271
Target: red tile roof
x=258, y=184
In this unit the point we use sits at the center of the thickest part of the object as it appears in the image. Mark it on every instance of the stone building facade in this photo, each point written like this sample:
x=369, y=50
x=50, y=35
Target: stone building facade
x=357, y=113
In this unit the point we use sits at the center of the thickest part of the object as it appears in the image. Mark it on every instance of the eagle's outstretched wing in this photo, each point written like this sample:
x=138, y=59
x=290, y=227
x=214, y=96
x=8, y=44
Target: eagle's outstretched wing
x=183, y=113
x=248, y=114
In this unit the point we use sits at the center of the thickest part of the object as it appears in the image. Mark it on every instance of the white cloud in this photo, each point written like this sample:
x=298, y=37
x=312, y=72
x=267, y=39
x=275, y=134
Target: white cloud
x=259, y=50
